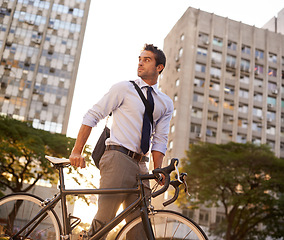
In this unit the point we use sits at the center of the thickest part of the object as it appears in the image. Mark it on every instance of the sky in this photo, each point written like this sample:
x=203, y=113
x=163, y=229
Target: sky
x=117, y=31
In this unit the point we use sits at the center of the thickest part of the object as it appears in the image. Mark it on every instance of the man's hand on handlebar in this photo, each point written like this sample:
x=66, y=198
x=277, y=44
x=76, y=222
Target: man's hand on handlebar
x=161, y=180
x=77, y=160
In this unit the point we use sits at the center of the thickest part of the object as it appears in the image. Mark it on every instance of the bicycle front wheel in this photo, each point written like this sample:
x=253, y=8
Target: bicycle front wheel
x=16, y=210
x=167, y=225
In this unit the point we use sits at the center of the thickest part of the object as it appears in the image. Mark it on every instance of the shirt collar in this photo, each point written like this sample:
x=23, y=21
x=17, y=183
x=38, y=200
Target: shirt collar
x=142, y=84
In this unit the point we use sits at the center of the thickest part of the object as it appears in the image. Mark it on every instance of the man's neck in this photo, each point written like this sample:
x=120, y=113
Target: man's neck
x=150, y=82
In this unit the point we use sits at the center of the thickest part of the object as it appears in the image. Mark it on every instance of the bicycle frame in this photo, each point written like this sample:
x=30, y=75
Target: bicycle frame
x=61, y=196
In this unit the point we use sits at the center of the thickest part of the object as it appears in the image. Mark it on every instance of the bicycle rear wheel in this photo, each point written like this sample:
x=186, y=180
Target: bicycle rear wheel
x=167, y=225
x=17, y=209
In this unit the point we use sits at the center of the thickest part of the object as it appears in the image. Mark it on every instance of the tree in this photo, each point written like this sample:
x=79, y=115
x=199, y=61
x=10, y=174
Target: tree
x=246, y=179
x=22, y=155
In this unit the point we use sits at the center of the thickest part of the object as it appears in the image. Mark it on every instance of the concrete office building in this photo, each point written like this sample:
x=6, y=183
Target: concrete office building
x=40, y=47
x=226, y=79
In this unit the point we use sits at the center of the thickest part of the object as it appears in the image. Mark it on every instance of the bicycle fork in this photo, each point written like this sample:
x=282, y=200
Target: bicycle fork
x=146, y=223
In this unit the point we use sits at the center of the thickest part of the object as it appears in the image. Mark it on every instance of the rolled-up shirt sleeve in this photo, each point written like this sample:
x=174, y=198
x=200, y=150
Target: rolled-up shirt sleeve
x=109, y=102
x=160, y=136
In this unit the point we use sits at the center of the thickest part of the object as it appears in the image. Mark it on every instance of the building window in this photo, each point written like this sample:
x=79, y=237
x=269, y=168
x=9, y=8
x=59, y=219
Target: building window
x=272, y=72
x=258, y=69
x=195, y=128
x=228, y=119
x=188, y=213
x=245, y=65
x=175, y=97
x=174, y=112
x=244, y=79
x=213, y=101
x=271, y=144
x=180, y=52
x=198, y=98
x=214, y=86
x=182, y=37
x=257, y=82
x=177, y=82
x=241, y=139
x=243, y=108
x=228, y=105
x=231, y=61
x=199, y=82
x=196, y=112
x=201, y=51
x=271, y=130
x=200, y=67
x=272, y=87
x=215, y=72
x=204, y=38
x=216, y=57
x=172, y=128
x=204, y=217
x=227, y=136
x=171, y=145
x=178, y=68
x=245, y=49
x=243, y=123
x=259, y=54
x=229, y=90
x=257, y=112
x=256, y=126
x=271, y=101
x=232, y=45
x=256, y=141
x=271, y=116
x=243, y=93
x=213, y=116
x=218, y=41
x=272, y=58
x=258, y=97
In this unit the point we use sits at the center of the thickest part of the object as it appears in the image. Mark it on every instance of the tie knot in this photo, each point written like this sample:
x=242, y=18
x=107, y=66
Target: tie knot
x=149, y=88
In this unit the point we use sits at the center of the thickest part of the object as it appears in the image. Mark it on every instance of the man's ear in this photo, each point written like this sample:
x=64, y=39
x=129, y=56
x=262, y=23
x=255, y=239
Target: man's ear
x=160, y=67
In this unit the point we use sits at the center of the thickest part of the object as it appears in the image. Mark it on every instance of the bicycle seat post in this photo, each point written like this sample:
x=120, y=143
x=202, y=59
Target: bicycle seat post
x=63, y=199
x=61, y=178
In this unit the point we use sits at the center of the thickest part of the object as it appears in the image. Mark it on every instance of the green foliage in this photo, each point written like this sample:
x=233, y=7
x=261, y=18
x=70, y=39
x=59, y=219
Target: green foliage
x=22, y=154
x=246, y=179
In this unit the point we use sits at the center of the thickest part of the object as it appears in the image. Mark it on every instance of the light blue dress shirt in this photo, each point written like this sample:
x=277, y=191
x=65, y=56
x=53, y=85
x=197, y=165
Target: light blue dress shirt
x=128, y=109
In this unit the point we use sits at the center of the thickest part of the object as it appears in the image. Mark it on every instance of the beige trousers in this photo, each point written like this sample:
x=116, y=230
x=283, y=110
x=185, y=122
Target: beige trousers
x=118, y=171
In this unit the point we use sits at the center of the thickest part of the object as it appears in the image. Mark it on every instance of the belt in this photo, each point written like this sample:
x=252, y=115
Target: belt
x=134, y=155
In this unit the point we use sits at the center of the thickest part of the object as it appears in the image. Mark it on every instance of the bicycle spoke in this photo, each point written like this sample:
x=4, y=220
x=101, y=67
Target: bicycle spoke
x=166, y=226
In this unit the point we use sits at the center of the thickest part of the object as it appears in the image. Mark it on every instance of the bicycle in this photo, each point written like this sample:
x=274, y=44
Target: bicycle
x=42, y=222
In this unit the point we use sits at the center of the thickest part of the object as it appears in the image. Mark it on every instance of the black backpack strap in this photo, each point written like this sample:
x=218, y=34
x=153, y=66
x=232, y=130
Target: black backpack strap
x=145, y=101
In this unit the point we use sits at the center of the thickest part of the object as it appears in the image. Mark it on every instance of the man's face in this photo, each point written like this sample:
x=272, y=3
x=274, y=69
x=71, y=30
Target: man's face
x=147, y=68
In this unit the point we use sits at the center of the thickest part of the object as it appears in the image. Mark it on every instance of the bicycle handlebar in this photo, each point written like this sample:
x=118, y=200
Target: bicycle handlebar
x=166, y=172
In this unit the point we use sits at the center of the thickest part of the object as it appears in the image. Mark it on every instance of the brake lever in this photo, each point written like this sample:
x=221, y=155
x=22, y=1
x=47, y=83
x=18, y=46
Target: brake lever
x=182, y=178
x=178, y=175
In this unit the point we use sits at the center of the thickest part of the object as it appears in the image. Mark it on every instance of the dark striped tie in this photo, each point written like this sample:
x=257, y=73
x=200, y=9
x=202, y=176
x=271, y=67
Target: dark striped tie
x=146, y=129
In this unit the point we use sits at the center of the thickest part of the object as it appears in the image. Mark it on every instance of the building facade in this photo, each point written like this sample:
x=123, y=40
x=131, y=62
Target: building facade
x=40, y=47
x=226, y=79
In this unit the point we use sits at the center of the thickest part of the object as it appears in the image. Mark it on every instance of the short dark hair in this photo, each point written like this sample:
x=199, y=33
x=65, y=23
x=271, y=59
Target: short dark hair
x=159, y=54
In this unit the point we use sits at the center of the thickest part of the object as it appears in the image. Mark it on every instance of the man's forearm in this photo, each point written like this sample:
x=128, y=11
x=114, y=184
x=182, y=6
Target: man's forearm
x=157, y=159
x=82, y=138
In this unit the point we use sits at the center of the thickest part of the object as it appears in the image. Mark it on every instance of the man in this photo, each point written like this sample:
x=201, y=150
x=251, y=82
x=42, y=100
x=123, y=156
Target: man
x=117, y=169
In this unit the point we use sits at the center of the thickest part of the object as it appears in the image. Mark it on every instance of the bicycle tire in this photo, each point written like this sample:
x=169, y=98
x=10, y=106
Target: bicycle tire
x=167, y=225
x=49, y=228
